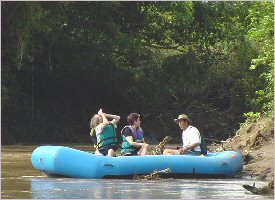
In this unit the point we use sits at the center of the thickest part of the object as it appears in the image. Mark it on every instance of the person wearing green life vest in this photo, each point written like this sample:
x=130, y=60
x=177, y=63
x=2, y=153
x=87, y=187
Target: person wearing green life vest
x=104, y=133
x=191, y=138
x=133, y=137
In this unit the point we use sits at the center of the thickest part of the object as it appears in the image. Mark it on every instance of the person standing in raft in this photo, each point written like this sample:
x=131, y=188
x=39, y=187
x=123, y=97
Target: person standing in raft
x=191, y=138
x=132, y=137
x=104, y=134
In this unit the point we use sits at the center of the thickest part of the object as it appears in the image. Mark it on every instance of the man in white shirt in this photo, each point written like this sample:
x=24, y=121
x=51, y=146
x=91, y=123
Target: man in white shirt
x=191, y=138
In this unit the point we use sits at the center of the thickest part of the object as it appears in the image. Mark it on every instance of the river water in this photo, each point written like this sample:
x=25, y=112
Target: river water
x=19, y=180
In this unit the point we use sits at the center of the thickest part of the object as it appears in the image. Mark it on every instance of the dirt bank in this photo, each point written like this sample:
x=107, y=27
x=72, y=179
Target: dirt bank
x=256, y=142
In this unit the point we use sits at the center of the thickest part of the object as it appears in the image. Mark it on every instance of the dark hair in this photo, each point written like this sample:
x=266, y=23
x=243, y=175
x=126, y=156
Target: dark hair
x=132, y=118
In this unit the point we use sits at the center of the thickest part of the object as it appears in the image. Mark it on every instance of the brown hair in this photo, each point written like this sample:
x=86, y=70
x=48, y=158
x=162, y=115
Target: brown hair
x=94, y=121
x=132, y=118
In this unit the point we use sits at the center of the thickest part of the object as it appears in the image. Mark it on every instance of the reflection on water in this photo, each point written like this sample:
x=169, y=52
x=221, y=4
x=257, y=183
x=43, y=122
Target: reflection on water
x=136, y=189
x=20, y=180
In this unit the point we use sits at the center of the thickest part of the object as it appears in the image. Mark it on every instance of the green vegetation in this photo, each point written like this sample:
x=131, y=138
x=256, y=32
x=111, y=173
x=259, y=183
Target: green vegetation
x=62, y=61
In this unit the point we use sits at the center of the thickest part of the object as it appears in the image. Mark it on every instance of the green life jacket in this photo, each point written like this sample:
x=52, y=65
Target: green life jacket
x=137, y=137
x=106, y=138
x=203, y=146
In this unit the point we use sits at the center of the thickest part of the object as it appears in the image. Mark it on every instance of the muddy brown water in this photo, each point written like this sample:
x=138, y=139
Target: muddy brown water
x=19, y=180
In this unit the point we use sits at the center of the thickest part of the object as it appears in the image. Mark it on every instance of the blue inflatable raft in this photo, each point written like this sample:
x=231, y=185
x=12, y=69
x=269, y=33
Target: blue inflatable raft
x=69, y=162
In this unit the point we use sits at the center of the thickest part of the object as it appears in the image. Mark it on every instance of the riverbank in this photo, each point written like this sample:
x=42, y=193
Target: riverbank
x=255, y=141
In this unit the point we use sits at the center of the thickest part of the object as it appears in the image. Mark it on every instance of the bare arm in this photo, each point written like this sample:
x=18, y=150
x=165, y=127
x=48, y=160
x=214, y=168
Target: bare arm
x=193, y=146
x=189, y=147
x=104, y=118
x=135, y=144
x=115, y=117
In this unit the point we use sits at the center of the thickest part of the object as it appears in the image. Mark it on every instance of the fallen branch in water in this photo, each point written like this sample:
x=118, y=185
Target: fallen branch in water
x=265, y=190
x=153, y=176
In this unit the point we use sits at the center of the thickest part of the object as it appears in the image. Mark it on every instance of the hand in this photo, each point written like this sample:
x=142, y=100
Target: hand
x=145, y=145
x=182, y=150
x=100, y=112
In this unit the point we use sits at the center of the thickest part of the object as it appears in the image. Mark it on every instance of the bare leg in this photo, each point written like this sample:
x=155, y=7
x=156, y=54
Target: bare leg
x=143, y=151
x=98, y=153
x=170, y=152
x=111, y=153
